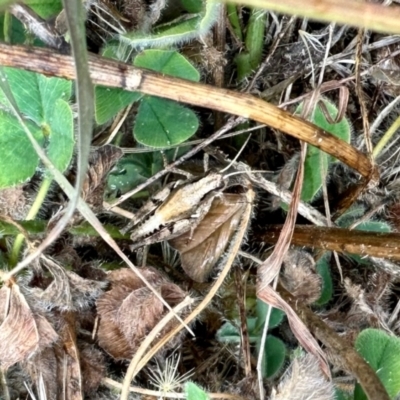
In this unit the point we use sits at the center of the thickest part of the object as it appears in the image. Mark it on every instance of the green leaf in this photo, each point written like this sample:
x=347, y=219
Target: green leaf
x=134, y=169
x=261, y=313
x=18, y=159
x=162, y=123
x=61, y=141
x=243, y=65
x=17, y=32
x=43, y=102
x=315, y=172
x=109, y=101
x=32, y=227
x=36, y=94
x=381, y=351
x=274, y=356
x=86, y=229
x=323, y=269
x=374, y=226
x=317, y=162
x=45, y=8
x=52, y=89
x=194, y=392
x=168, y=62
x=341, y=395
x=228, y=333
x=350, y=216
x=130, y=172
x=192, y=6
x=341, y=129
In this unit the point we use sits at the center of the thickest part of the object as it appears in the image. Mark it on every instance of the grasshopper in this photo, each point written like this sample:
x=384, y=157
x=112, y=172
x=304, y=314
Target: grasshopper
x=176, y=209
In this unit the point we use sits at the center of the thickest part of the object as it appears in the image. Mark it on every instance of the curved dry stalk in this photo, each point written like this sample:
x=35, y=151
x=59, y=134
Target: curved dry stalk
x=116, y=74
x=132, y=369
x=365, y=15
x=227, y=263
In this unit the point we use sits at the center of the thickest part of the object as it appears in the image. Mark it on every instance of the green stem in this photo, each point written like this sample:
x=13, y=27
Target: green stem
x=19, y=240
x=255, y=36
x=386, y=137
x=234, y=20
x=7, y=27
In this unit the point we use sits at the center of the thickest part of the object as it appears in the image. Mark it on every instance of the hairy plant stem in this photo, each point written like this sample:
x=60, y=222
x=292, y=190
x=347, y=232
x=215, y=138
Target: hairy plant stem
x=19, y=240
x=386, y=137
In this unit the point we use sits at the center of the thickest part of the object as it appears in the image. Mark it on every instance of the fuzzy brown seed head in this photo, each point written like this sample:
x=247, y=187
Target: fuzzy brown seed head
x=13, y=202
x=130, y=310
x=304, y=380
x=299, y=277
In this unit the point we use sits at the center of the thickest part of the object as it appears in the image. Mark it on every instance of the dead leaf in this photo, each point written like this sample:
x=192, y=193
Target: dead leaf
x=21, y=333
x=303, y=335
x=269, y=269
x=68, y=291
x=130, y=310
x=200, y=250
x=125, y=277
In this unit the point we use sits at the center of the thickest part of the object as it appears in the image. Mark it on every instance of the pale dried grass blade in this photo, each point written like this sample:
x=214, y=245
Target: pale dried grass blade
x=269, y=269
x=303, y=335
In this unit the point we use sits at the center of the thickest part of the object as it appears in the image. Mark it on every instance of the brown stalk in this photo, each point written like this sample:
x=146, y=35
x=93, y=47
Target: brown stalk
x=116, y=74
x=366, y=376
x=385, y=245
x=354, y=13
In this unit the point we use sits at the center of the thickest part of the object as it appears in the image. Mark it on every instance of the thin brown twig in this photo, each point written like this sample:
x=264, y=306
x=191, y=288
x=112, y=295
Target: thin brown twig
x=360, y=92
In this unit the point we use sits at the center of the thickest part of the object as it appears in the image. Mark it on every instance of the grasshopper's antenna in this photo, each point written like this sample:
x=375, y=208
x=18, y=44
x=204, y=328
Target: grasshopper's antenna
x=237, y=155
